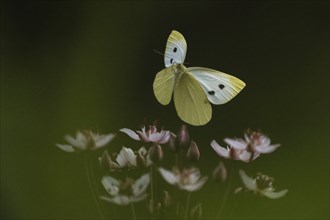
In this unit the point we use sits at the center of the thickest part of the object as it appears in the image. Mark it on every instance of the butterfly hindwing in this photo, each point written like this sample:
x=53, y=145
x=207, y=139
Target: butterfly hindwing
x=191, y=102
x=219, y=87
x=176, y=48
x=163, y=85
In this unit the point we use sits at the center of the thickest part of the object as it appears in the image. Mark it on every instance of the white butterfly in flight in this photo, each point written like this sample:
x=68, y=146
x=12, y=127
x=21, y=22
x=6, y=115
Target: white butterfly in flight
x=194, y=87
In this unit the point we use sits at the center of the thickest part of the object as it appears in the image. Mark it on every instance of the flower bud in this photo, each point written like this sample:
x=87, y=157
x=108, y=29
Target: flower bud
x=220, y=173
x=105, y=160
x=183, y=136
x=140, y=160
x=172, y=142
x=166, y=199
x=156, y=153
x=193, y=152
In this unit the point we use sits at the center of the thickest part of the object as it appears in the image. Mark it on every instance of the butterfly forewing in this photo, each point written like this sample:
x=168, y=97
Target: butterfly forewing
x=191, y=102
x=163, y=86
x=176, y=48
x=219, y=87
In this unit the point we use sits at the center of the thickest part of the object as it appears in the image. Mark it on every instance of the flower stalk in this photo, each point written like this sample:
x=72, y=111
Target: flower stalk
x=92, y=186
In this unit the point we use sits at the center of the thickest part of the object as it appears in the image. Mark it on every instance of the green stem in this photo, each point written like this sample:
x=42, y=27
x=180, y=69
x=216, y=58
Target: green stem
x=91, y=186
x=177, y=159
x=152, y=191
x=133, y=211
x=225, y=196
x=186, y=210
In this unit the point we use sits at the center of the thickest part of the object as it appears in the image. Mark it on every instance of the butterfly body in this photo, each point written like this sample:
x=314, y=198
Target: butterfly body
x=193, y=88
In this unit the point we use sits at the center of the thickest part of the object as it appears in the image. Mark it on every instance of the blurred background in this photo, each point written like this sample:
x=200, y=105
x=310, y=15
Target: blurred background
x=70, y=65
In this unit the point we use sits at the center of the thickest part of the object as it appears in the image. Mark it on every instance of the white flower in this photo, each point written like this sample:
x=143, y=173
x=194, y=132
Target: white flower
x=151, y=135
x=85, y=140
x=125, y=192
x=126, y=158
x=188, y=179
x=261, y=185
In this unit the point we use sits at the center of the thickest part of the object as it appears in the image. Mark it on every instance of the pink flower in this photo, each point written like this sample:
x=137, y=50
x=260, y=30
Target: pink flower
x=247, y=149
x=259, y=142
x=233, y=152
x=151, y=135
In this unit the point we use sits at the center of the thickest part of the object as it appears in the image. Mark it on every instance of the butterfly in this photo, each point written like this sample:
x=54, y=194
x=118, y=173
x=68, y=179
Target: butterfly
x=193, y=88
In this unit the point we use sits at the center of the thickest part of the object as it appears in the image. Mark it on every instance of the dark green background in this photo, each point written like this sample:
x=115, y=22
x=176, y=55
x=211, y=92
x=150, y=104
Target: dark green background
x=68, y=65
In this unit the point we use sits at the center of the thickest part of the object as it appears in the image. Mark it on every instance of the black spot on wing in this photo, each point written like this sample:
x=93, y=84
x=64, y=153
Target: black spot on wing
x=221, y=86
x=211, y=92
x=171, y=60
x=175, y=49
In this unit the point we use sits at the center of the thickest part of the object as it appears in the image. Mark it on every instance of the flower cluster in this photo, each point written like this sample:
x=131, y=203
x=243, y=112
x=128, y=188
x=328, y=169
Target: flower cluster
x=146, y=163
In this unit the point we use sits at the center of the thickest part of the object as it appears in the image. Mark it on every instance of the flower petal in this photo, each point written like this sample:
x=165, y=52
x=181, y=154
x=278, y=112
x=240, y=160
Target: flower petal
x=82, y=136
x=106, y=162
x=245, y=156
x=119, y=200
x=220, y=150
x=264, y=141
x=248, y=182
x=141, y=184
x=143, y=136
x=166, y=137
x=67, y=148
x=195, y=186
x=238, y=144
x=266, y=149
x=168, y=176
x=247, y=138
x=275, y=195
x=77, y=143
x=130, y=156
x=121, y=158
x=130, y=133
x=194, y=175
x=155, y=137
x=111, y=185
x=126, y=157
x=103, y=140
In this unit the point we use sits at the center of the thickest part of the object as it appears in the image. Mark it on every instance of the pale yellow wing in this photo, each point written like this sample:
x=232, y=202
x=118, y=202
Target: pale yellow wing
x=163, y=85
x=191, y=102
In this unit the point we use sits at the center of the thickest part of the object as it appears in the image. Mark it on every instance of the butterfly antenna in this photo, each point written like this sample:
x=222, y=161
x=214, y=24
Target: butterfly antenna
x=156, y=51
